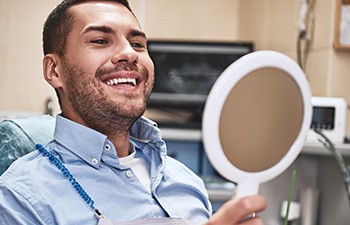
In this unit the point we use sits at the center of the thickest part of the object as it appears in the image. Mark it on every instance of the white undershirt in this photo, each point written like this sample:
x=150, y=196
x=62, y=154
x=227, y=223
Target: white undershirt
x=140, y=168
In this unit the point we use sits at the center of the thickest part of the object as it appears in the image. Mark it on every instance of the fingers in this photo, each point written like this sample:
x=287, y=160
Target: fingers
x=246, y=206
x=236, y=210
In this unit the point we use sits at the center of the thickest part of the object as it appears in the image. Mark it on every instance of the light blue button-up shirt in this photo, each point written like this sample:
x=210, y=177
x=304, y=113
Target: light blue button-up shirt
x=34, y=191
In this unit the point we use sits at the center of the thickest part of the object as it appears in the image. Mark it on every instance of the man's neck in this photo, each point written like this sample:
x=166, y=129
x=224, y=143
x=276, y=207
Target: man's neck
x=121, y=144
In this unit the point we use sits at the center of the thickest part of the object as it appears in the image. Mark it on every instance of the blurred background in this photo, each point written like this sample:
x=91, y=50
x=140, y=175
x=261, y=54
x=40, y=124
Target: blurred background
x=313, y=33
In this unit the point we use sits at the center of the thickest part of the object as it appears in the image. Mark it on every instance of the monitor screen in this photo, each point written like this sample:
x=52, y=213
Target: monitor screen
x=185, y=73
x=323, y=118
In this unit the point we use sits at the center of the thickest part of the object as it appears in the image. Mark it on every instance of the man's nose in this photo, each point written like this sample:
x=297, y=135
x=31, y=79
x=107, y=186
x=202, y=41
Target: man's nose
x=124, y=52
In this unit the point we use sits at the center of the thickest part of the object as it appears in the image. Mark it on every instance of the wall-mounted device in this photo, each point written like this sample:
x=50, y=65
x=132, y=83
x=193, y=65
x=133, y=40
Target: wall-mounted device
x=329, y=115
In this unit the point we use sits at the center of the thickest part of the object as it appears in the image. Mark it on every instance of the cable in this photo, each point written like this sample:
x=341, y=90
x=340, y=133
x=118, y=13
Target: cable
x=306, y=30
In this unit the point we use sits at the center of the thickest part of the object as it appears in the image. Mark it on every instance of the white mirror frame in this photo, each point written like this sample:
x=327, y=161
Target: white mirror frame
x=248, y=182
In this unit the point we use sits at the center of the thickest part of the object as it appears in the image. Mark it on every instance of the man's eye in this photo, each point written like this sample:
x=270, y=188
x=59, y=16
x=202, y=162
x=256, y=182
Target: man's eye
x=99, y=41
x=137, y=45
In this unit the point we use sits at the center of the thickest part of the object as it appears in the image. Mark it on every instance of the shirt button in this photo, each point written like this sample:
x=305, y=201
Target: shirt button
x=107, y=147
x=94, y=162
x=128, y=173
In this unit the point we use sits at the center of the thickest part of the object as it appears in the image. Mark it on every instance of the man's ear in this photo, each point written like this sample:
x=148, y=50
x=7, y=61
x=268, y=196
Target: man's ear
x=52, y=70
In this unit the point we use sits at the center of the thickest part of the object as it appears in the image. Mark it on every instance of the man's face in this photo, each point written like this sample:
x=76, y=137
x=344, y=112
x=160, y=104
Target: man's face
x=107, y=72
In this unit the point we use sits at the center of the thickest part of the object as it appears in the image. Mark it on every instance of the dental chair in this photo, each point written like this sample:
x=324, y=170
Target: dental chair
x=18, y=137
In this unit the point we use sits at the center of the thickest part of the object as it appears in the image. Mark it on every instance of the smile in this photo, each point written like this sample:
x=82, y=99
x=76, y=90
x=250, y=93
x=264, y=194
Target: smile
x=116, y=81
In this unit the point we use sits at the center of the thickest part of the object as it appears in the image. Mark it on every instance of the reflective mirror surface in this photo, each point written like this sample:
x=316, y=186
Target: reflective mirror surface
x=260, y=119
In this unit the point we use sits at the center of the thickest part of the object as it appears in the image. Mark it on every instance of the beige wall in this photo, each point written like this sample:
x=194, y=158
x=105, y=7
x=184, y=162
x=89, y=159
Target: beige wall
x=192, y=19
x=22, y=87
x=271, y=24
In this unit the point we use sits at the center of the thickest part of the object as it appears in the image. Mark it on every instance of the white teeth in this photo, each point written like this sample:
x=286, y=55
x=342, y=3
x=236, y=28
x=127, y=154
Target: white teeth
x=121, y=81
x=133, y=81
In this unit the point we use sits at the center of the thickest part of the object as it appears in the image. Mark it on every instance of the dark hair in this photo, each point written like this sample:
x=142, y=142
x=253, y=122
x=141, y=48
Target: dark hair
x=59, y=23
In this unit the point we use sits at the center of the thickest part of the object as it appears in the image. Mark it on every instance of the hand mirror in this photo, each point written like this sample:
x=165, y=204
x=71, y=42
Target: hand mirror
x=256, y=119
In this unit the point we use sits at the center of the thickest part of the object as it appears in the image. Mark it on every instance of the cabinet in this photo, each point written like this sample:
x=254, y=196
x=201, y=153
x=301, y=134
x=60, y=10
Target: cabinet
x=342, y=25
x=316, y=170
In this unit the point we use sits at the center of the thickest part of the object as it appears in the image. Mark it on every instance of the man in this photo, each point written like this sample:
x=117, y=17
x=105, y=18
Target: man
x=97, y=61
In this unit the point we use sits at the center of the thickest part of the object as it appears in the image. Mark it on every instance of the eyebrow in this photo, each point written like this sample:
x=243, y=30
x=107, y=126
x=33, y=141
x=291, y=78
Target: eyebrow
x=135, y=33
x=109, y=30
x=104, y=29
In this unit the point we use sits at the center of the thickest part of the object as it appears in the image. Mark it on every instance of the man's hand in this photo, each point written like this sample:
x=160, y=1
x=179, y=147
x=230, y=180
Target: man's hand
x=236, y=210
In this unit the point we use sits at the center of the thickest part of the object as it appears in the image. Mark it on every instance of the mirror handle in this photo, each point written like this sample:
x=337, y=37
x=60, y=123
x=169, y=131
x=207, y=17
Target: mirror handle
x=246, y=188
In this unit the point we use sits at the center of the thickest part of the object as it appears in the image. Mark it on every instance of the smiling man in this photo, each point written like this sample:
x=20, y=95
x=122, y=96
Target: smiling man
x=104, y=154
x=105, y=75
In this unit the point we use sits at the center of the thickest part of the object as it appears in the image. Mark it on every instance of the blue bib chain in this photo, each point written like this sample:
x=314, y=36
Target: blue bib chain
x=70, y=177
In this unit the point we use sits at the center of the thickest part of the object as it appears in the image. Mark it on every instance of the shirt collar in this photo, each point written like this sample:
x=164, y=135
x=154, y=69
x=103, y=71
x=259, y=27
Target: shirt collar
x=85, y=142
x=145, y=130
x=89, y=144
